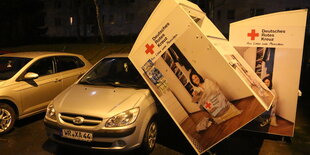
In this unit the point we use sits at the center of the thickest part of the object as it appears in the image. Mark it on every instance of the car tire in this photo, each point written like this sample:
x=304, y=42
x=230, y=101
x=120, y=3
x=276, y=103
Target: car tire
x=7, y=118
x=150, y=136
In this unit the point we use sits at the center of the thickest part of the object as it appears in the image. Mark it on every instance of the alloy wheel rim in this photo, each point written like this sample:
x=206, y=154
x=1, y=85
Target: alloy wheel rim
x=152, y=135
x=5, y=120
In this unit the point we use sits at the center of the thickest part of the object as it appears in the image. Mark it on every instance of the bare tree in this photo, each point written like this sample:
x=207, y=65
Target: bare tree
x=99, y=20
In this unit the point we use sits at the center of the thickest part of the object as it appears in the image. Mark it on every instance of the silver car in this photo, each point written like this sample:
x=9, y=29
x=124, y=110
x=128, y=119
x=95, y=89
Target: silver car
x=30, y=80
x=110, y=108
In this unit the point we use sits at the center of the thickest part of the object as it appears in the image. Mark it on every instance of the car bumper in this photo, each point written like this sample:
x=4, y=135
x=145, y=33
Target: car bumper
x=124, y=139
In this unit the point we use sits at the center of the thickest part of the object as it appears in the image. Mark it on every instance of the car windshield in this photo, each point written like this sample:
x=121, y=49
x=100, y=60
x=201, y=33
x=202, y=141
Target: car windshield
x=118, y=72
x=9, y=66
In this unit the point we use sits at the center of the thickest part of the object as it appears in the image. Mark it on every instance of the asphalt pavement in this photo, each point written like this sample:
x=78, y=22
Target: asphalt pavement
x=29, y=138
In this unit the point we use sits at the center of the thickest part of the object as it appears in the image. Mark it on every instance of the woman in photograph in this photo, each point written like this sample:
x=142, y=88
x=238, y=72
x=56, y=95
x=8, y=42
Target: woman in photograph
x=272, y=111
x=209, y=96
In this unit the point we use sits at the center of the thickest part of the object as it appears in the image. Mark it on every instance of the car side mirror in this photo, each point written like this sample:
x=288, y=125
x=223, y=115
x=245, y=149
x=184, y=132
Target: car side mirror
x=31, y=76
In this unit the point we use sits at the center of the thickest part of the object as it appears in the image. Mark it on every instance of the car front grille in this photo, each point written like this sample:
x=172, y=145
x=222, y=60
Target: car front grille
x=87, y=120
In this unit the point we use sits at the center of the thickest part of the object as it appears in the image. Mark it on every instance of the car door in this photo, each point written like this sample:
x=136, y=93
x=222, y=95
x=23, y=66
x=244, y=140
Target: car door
x=37, y=93
x=71, y=69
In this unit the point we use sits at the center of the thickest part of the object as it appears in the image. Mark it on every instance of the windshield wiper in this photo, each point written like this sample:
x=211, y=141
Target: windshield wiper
x=111, y=83
x=86, y=82
x=118, y=84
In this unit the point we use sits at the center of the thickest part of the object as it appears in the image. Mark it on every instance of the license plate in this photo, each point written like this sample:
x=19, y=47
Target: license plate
x=77, y=135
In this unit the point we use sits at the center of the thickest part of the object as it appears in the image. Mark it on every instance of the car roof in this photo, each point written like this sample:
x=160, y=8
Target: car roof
x=117, y=55
x=36, y=54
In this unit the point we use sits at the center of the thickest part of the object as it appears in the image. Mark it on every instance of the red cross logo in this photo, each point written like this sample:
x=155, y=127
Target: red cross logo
x=149, y=48
x=253, y=34
x=208, y=105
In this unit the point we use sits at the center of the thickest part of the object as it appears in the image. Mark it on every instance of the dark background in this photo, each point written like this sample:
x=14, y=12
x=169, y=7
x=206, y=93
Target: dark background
x=23, y=22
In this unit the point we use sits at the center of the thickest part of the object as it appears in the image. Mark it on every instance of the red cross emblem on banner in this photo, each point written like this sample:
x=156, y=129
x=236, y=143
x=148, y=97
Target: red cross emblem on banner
x=253, y=34
x=149, y=48
x=208, y=105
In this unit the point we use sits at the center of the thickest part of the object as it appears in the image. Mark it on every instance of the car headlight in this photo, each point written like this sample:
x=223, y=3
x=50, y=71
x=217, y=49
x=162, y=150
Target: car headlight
x=51, y=112
x=123, y=119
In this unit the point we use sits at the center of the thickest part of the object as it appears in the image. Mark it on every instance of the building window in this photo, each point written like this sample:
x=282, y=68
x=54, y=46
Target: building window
x=256, y=12
x=260, y=12
x=57, y=21
x=71, y=20
x=111, y=19
x=57, y=4
x=218, y=14
x=231, y=14
x=93, y=29
x=111, y=2
x=129, y=17
x=71, y=4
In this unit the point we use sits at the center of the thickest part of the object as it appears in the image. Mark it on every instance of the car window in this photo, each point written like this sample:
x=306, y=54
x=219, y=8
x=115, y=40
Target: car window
x=65, y=63
x=9, y=66
x=42, y=67
x=114, y=71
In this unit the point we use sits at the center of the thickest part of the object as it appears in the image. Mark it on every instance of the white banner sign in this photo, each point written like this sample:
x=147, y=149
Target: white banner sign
x=272, y=45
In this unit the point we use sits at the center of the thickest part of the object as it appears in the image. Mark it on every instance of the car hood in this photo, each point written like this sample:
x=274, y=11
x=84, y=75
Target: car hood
x=98, y=101
x=2, y=82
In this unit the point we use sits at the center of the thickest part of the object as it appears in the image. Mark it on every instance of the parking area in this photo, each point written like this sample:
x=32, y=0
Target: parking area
x=28, y=137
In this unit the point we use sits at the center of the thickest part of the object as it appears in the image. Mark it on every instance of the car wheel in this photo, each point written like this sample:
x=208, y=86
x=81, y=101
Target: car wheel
x=7, y=118
x=150, y=136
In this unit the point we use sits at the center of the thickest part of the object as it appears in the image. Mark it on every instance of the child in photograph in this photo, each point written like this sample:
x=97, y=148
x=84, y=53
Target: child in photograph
x=209, y=96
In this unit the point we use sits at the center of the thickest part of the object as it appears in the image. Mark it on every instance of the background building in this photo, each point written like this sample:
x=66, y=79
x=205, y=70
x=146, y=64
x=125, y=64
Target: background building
x=77, y=18
x=126, y=17
x=70, y=18
x=225, y=12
